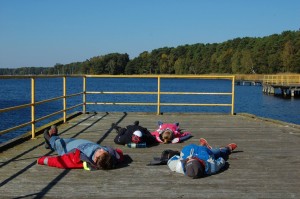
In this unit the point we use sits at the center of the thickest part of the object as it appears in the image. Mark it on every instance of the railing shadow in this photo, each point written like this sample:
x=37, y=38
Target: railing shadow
x=65, y=172
x=109, y=130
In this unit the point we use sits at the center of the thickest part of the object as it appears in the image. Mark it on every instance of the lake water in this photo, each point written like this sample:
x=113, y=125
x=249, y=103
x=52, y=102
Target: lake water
x=248, y=99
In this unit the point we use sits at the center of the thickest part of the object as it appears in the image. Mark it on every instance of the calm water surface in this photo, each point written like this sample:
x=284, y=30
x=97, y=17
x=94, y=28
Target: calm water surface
x=248, y=99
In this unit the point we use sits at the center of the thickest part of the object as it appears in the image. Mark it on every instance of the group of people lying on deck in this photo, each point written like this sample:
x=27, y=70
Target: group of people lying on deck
x=193, y=160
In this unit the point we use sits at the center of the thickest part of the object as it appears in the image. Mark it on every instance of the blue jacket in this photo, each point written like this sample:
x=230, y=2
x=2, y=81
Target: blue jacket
x=212, y=165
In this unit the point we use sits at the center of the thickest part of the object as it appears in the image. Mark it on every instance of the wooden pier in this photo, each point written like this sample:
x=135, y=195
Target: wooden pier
x=266, y=163
x=285, y=85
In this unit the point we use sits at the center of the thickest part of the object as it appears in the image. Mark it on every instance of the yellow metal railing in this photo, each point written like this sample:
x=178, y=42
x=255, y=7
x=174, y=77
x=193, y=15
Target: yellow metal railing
x=86, y=92
x=159, y=92
x=33, y=103
x=283, y=80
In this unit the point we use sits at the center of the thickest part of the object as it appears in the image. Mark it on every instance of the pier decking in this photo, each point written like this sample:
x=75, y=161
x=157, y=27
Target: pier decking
x=266, y=163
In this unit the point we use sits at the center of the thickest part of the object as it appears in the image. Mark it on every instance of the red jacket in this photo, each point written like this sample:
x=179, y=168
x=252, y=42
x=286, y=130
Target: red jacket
x=70, y=160
x=66, y=161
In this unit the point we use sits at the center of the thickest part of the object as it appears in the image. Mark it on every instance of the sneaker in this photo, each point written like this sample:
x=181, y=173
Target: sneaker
x=136, y=123
x=203, y=142
x=47, y=139
x=53, y=131
x=232, y=146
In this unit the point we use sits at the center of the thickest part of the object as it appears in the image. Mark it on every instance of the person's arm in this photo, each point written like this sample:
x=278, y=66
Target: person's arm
x=214, y=166
x=175, y=164
x=184, y=136
x=156, y=135
x=179, y=137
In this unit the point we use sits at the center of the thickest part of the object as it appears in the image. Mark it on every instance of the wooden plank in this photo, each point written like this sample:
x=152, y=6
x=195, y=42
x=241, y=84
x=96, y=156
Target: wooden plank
x=266, y=163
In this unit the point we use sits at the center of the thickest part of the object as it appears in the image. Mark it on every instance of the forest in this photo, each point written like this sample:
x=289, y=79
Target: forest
x=277, y=53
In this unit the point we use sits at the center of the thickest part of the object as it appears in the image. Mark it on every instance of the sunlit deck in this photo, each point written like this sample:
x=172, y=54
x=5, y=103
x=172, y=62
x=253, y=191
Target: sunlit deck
x=266, y=163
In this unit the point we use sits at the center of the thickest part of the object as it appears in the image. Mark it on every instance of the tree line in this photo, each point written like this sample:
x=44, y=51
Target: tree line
x=277, y=53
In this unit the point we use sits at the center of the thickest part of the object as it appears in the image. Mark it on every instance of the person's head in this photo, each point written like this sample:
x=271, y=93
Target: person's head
x=167, y=136
x=136, y=136
x=194, y=168
x=103, y=159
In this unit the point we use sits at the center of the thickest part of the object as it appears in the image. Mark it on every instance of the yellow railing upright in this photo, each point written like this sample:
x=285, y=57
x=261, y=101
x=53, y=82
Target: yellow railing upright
x=33, y=107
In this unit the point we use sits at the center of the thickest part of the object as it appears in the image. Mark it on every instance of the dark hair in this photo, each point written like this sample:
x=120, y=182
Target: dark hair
x=194, y=169
x=105, y=161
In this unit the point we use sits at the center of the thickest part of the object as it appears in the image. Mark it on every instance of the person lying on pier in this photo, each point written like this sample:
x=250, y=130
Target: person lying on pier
x=170, y=133
x=197, y=161
x=77, y=160
x=79, y=153
x=133, y=134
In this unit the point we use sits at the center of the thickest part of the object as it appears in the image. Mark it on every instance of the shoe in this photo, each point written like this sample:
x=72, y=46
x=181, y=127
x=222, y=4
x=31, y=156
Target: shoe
x=136, y=123
x=117, y=128
x=53, y=131
x=47, y=139
x=48, y=134
x=203, y=142
x=232, y=146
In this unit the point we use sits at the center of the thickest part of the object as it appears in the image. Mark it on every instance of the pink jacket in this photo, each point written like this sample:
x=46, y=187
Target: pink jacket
x=178, y=135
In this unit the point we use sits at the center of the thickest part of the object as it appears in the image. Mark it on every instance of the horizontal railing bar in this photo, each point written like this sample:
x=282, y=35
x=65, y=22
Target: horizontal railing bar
x=15, y=127
x=55, y=113
x=36, y=76
x=39, y=102
x=120, y=103
x=49, y=100
x=72, y=107
x=112, y=92
x=47, y=116
x=155, y=93
x=116, y=76
x=164, y=76
x=178, y=104
x=74, y=94
x=154, y=104
x=14, y=108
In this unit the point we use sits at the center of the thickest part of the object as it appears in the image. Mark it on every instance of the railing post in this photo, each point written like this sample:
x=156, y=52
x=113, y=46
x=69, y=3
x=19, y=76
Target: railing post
x=84, y=95
x=158, y=95
x=32, y=108
x=232, y=95
x=65, y=98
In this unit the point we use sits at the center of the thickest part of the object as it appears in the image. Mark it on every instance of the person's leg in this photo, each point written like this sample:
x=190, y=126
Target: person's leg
x=121, y=138
x=203, y=142
x=48, y=133
x=116, y=127
x=224, y=152
x=221, y=152
x=59, y=144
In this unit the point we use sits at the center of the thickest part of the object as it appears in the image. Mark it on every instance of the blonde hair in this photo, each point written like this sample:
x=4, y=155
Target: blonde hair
x=167, y=136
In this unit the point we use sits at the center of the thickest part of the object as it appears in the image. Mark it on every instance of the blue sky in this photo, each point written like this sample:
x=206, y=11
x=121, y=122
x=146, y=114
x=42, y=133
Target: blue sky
x=45, y=32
